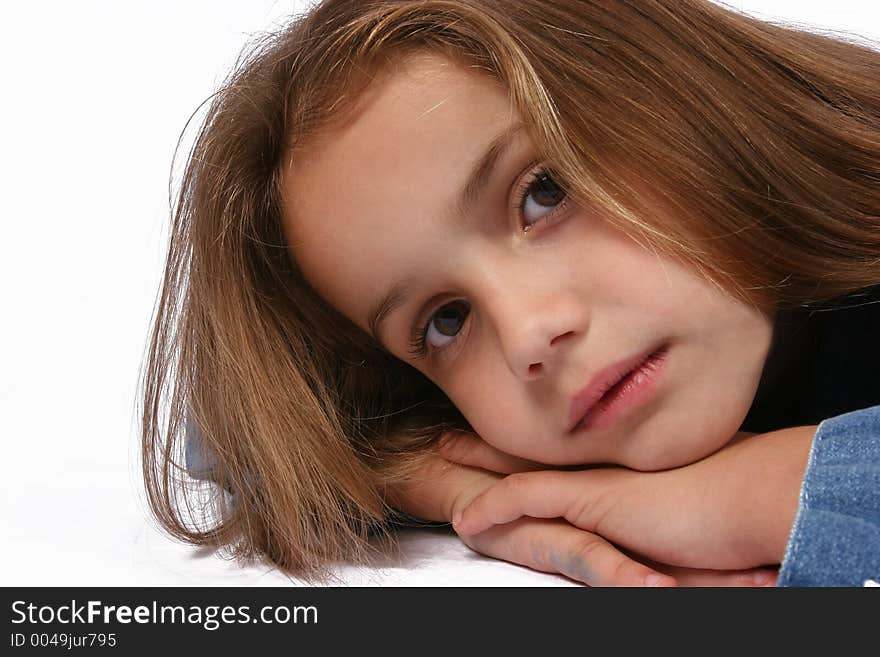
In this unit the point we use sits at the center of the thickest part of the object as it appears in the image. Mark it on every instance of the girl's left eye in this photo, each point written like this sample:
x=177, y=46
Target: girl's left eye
x=539, y=197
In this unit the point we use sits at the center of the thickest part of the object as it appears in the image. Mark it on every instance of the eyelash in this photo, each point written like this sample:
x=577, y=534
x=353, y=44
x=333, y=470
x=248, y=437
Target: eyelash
x=418, y=347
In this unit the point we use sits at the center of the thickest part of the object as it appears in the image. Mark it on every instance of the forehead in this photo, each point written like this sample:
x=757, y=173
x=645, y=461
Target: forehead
x=359, y=197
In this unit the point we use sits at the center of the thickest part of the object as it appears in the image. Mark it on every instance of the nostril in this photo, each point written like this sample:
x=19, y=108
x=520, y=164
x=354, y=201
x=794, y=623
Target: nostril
x=559, y=337
x=534, y=368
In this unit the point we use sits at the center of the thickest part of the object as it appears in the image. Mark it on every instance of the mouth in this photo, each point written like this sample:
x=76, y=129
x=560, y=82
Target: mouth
x=613, y=391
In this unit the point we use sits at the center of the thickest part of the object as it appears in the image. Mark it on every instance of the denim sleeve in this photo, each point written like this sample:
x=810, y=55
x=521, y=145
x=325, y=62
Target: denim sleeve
x=835, y=540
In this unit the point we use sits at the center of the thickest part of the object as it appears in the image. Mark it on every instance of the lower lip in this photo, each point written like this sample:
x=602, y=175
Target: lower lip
x=634, y=389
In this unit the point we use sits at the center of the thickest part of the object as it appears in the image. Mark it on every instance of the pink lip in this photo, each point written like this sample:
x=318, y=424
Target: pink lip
x=585, y=401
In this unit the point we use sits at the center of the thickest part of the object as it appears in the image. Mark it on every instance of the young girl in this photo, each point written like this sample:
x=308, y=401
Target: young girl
x=591, y=244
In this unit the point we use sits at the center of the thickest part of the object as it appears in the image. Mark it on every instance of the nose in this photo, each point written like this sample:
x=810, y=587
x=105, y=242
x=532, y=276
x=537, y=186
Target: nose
x=536, y=328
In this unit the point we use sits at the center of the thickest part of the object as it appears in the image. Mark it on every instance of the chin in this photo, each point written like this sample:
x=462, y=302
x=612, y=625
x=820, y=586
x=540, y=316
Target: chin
x=693, y=443
x=665, y=461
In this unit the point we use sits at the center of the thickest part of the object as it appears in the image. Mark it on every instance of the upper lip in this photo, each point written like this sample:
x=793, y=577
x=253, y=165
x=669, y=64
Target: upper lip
x=601, y=382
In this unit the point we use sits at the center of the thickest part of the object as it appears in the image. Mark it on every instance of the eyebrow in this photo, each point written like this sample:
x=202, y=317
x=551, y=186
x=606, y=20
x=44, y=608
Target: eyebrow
x=398, y=293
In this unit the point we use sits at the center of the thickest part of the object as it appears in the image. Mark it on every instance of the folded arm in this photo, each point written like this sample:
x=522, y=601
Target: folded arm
x=443, y=489
x=808, y=497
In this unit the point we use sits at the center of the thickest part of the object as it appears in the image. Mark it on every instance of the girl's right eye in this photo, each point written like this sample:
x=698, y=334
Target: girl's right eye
x=440, y=329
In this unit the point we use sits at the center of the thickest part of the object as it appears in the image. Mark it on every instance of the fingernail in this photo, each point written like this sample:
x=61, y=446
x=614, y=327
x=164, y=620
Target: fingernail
x=764, y=578
x=456, y=518
x=659, y=580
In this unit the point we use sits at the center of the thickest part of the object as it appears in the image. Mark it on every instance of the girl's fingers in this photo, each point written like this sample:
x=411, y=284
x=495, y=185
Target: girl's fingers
x=695, y=577
x=708, y=577
x=470, y=450
x=554, y=546
x=545, y=494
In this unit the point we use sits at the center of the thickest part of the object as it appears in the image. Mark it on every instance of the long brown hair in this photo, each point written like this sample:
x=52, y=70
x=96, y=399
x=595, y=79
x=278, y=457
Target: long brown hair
x=749, y=150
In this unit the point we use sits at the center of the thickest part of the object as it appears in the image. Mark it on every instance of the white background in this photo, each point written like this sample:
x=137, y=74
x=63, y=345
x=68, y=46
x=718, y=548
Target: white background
x=93, y=97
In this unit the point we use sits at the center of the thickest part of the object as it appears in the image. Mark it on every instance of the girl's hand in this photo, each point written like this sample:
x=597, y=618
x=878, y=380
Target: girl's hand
x=556, y=546
x=441, y=488
x=732, y=510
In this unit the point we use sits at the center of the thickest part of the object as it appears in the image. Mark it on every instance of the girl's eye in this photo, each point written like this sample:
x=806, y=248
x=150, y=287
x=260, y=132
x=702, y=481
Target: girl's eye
x=538, y=198
x=440, y=329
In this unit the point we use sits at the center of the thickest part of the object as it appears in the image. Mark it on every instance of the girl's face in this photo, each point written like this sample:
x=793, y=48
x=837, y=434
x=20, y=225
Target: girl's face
x=408, y=219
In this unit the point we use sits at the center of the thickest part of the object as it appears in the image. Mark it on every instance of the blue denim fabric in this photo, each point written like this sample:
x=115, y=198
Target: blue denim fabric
x=835, y=540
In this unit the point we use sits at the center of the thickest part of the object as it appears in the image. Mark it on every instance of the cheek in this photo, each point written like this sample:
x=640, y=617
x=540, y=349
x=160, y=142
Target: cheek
x=488, y=399
x=735, y=339
x=716, y=377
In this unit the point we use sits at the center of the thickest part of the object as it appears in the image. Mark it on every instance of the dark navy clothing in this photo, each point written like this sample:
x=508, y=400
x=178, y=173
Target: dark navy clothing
x=822, y=363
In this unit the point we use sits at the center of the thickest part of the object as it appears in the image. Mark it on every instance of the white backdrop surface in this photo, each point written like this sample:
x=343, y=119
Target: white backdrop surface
x=94, y=96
